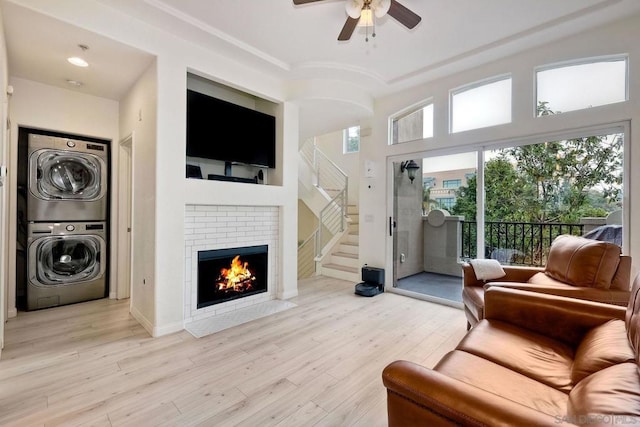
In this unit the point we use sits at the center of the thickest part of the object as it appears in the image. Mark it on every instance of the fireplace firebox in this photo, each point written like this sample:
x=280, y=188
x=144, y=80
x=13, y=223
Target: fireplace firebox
x=228, y=274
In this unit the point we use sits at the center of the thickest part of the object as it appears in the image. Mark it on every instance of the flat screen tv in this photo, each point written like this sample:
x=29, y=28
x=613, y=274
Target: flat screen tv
x=220, y=130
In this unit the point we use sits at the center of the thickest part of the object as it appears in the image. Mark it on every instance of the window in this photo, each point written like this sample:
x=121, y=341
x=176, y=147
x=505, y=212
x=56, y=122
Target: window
x=446, y=202
x=428, y=181
x=579, y=86
x=451, y=183
x=481, y=105
x=468, y=176
x=534, y=192
x=351, y=140
x=413, y=125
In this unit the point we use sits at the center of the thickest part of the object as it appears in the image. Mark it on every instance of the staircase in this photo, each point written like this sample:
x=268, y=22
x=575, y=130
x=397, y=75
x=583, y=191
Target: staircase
x=332, y=249
x=343, y=261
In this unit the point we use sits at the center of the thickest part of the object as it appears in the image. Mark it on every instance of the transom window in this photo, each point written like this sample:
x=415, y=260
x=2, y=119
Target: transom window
x=581, y=85
x=481, y=105
x=414, y=124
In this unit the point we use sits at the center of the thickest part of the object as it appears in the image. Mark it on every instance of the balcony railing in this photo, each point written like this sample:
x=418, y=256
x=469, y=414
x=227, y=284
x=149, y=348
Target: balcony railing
x=519, y=243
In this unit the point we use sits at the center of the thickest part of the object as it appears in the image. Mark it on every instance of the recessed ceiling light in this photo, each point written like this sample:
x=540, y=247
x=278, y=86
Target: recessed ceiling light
x=78, y=62
x=74, y=82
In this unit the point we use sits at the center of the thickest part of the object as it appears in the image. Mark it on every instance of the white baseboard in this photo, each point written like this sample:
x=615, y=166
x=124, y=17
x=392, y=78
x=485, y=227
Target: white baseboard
x=168, y=329
x=146, y=324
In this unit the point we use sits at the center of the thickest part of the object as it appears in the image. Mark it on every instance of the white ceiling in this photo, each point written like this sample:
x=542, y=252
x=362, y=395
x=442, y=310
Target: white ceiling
x=300, y=42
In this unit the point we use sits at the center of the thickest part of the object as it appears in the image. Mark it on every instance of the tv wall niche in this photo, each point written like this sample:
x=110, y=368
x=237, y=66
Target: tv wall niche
x=231, y=135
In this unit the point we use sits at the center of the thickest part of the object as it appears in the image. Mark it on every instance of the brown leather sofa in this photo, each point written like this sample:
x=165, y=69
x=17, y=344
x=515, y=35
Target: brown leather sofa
x=535, y=360
x=576, y=267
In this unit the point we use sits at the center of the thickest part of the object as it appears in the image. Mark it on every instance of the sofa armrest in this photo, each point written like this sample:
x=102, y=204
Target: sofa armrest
x=420, y=396
x=513, y=274
x=565, y=319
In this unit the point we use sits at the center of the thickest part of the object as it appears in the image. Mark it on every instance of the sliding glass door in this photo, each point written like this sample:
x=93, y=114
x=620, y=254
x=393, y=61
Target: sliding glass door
x=533, y=193
x=507, y=202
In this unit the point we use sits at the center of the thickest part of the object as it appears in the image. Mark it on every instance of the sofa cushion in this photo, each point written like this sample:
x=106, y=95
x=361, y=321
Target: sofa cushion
x=534, y=355
x=613, y=390
x=602, y=346
x=582, y=262
x=543, y=280
x=503, y=382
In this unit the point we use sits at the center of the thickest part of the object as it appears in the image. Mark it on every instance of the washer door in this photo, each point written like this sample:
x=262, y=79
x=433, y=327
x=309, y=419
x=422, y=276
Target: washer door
x=61, y=260
x=66, y=175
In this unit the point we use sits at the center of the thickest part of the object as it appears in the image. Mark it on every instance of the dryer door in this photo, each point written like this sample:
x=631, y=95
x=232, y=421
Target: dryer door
x=64, y=260
x=66, y=175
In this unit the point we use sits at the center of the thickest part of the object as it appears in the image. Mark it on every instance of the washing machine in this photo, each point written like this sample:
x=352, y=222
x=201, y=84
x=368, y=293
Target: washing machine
x=67, y=179
x=67, y=263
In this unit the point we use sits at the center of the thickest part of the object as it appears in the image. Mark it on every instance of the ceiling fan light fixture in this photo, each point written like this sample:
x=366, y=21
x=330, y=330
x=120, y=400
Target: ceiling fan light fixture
x=363, y=13
x=354, y=8
x=380, y=7
x=366, y=18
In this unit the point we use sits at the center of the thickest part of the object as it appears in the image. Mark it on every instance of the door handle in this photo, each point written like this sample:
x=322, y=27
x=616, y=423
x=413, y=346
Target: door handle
x=392, y=225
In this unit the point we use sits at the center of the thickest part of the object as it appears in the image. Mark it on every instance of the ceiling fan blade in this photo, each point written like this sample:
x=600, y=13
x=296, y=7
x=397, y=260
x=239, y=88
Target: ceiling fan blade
x=297, y=2
x=348, y=28
x=403, y=15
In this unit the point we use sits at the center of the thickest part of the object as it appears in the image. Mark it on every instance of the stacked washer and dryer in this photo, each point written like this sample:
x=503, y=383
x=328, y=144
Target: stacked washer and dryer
x=66, y=213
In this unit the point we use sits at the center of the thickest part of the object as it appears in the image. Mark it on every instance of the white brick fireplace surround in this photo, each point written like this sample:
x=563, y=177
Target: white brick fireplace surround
x=219, y=227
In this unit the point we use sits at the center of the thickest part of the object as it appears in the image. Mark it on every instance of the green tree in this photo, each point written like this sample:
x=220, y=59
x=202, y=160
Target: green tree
x=564, y=172
x=558, y=181
x=504, y=190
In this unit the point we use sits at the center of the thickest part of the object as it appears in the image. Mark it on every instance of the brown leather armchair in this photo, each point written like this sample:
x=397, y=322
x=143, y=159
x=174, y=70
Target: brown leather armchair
x=576, y=267
x=535, y=360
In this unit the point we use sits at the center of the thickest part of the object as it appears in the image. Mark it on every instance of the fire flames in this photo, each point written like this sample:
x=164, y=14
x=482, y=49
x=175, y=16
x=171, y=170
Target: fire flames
x=237, y=278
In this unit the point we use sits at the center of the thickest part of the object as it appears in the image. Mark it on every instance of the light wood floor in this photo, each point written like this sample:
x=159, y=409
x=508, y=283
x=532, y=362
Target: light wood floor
x=318, y=364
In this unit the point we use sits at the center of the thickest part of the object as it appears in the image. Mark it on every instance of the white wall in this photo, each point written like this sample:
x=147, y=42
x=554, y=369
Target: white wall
x=620, y=37
x=36, y=105
x=332, y=145
x=138, y=118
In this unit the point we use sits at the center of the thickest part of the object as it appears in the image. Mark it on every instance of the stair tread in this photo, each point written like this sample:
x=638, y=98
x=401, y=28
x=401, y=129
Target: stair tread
x=349, y=243
x=345, y=255
x=341, y=267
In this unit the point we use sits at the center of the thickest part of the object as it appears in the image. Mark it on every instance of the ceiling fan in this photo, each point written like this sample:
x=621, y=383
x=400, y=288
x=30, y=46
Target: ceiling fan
x=364, y=9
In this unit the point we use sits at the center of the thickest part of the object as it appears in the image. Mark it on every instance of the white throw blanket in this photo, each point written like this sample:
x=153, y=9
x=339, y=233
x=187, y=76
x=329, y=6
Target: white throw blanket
x=487, y=269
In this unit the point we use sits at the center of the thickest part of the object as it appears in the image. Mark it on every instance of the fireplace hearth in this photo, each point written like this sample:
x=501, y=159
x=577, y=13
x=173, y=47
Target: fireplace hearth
x=228, y=274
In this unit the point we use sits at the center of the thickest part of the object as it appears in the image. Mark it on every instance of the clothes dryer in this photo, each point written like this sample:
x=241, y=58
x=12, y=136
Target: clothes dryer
x=67, y=263
x=67, y=179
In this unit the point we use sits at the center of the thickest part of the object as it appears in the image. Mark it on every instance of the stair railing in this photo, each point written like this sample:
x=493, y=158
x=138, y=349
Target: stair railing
x=332, y=222
x=334, y=183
